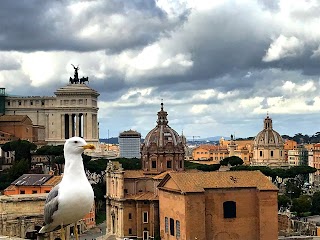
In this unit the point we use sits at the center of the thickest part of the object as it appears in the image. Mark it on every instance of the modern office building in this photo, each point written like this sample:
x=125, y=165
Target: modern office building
x=129, y=144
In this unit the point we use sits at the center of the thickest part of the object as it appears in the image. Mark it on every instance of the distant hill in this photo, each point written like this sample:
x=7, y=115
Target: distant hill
x=112, y=140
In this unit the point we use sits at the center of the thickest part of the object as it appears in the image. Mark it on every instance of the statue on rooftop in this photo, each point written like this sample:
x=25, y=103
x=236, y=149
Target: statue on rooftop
x=76, y=79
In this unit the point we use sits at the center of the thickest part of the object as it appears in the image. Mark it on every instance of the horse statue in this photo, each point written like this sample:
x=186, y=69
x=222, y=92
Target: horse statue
x=73, y=80
x=84, y=79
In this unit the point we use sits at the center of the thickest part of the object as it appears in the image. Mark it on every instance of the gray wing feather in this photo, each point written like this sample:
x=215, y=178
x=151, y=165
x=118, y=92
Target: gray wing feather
x=51, y=204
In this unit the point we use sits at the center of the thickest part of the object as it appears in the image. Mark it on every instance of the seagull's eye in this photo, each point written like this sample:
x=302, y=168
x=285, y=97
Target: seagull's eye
x=75, y=141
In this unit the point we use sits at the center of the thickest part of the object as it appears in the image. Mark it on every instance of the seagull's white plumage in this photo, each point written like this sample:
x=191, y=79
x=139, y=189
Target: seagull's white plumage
x=73, y=197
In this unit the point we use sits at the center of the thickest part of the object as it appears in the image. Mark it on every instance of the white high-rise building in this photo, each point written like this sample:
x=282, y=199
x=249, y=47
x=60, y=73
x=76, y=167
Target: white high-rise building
x=129, y=144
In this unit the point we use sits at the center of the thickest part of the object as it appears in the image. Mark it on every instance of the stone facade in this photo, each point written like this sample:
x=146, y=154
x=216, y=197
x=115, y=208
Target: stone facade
x=71, y=112
x=132, y=204
x=20, y=214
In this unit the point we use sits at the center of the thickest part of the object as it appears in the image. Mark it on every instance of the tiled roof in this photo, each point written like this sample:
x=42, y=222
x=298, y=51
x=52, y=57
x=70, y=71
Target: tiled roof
x=53, y=181
x=134, y=174
x=12, y=118
x=199, y=181
x=142, y=196
x=31, y=180
x=161, y=175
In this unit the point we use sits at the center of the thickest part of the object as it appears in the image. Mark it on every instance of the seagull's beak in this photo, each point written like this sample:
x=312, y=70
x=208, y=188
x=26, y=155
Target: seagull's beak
x=89, y=146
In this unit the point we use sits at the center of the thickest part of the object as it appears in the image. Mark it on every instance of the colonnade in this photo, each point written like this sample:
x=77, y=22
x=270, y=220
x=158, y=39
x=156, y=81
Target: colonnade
x=73, y=125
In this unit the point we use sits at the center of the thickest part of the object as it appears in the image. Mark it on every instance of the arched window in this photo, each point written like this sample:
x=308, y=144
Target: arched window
x=229, y=209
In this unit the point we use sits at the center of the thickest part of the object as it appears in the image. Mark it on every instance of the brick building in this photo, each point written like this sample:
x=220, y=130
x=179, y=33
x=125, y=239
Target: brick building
x=218, y=205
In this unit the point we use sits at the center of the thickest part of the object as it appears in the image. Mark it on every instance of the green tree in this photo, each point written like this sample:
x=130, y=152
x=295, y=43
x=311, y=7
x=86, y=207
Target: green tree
x=301, y=205
x=283, y=201
x=208, y=168
x=50, y=150
x=22, y=149
x=315, y=209
x=293, y=188
x=233, y=161
x=18, y=168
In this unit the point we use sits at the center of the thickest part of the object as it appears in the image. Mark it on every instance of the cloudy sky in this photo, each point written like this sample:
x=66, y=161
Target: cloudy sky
x=219, y=66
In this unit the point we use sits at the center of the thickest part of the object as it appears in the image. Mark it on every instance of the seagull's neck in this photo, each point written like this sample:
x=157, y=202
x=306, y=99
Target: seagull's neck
x=73, y=165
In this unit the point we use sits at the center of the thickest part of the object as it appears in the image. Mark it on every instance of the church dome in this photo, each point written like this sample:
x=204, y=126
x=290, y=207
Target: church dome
x=163, y=149
x=162, y=134
x=268, y=136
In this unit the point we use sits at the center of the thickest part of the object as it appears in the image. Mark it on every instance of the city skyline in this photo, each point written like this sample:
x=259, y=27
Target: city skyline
x=220, y=67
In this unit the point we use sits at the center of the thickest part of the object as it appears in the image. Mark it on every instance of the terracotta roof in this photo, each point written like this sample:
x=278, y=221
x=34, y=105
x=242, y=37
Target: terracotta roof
x=31, y=180
x=161, y=175
x=142, y=196
x=199, y=181
x=134, y=174
x=53, y=181
x=12, y=118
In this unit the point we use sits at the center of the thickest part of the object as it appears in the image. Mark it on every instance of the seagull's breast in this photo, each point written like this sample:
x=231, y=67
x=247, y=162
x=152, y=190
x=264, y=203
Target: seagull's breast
x=75, y=199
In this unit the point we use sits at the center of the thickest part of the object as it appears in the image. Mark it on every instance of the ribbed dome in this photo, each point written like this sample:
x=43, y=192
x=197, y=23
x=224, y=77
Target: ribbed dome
x=268, y=136
x=162, y=134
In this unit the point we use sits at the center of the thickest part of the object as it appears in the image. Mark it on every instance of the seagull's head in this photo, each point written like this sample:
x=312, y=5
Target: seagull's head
x=76, y=145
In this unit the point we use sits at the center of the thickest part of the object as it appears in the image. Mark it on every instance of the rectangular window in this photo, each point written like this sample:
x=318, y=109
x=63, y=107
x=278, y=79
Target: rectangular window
x=145, y=217
x=130, y=216
x=130, y=231
x=180, y=164
x=271, y=153
x=260, y=153
x=34, y=191
x=169, y=164
x=177, y=228
x=22, y=191
x=166, y=225
x=154, y=164
x=229, y=209
x=171, y=227
x=145, y=235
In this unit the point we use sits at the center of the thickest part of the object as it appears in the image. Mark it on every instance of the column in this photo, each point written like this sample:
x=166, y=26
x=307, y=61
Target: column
x=62, y=135
x=70, y=125
x=138, y=219
x=77, y=129
x=22, y=229
x=120, y=217
x=85, y=126
x=151, y=219
x=80, y=126
x=108, y=216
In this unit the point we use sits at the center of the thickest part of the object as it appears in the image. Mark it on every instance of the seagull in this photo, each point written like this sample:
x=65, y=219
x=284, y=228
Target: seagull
x=71, y=199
